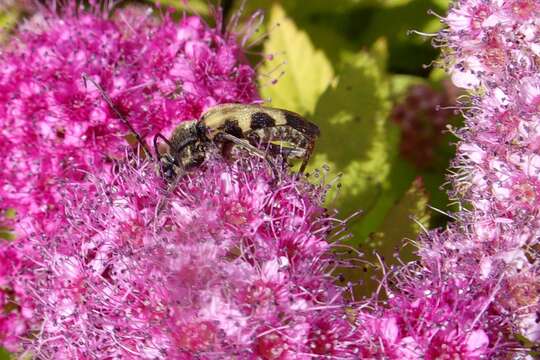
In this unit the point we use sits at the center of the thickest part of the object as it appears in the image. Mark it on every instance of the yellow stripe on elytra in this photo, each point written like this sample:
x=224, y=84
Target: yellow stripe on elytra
x=216, y=118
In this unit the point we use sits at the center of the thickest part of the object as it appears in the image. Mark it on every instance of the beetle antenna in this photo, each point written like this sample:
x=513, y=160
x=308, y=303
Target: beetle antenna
x=117, y=112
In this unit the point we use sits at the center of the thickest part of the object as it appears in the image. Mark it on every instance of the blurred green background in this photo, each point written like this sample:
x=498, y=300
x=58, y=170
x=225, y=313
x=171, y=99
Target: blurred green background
x=351, y=67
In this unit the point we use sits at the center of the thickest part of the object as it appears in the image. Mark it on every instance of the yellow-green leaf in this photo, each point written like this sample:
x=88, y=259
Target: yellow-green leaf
x=406, y=218
x=6, y=234
x=10, y=213
x=306, y=72
x=8, y=20
x=199, y=7
x=4, y=355
x=393, y=3
x=357, y=139
x=400, y=84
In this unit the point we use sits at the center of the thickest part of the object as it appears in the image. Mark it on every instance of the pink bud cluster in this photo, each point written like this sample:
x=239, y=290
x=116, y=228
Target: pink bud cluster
x=56, y=126
x=422, y=116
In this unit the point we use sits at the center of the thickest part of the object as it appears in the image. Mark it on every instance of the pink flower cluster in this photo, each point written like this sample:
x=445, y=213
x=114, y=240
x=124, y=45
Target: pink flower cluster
x=476, y=287
x=491, y=42
x=56, y=129
x=437, y=307
x=54, y=126
x=422, y=116
x=494, y=49
x=235, y=262
x=232, y=264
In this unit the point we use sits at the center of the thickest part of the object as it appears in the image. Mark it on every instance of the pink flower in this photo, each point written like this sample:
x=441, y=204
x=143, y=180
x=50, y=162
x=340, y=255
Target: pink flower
x=468, y=16
x=437, y=309
x=382, y=337
x=55, y=128
x=523, y=10
x=452, y=344
x=485, y=40
x=236, y=264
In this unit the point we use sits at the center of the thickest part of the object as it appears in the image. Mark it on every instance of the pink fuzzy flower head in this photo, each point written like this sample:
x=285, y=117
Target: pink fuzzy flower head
x=486, y=40
x=493, y=47
x=232, y=263
x=444, y=306
x=55, y=126
x=432, y=319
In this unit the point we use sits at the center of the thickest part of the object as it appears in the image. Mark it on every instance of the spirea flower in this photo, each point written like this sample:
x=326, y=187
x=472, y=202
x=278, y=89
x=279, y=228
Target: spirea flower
x=474, y=290
x=233, y=263
x=493, y=47
x=482, y=271
x=488, y=40
x=158, y=72
x=439, y=307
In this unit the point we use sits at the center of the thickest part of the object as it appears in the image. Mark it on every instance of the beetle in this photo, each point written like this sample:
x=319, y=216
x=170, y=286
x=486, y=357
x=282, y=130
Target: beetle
x=283, y=133
x=249, y=126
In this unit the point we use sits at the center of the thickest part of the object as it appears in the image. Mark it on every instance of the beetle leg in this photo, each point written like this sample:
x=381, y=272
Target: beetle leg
x=307, y=155
x=246, y=145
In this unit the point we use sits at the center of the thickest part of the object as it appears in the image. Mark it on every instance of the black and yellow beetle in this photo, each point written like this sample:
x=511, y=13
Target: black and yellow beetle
x=280, y=132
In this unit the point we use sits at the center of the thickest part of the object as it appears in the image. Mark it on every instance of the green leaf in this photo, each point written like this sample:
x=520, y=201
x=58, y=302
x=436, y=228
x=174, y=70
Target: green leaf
x=305, y=8
x=200, y=7
x=529, y=344
x=10, y=213
x=332, y=42
x=8, y=20
x=4, y=355
x=407, y=52
x=379, y=50
x=306, y=70
x=399, y=179
x=358, y=141
x=393, y=3
x=443, y=4
x=6, y=233
x=400, y=84
x=406, y=218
